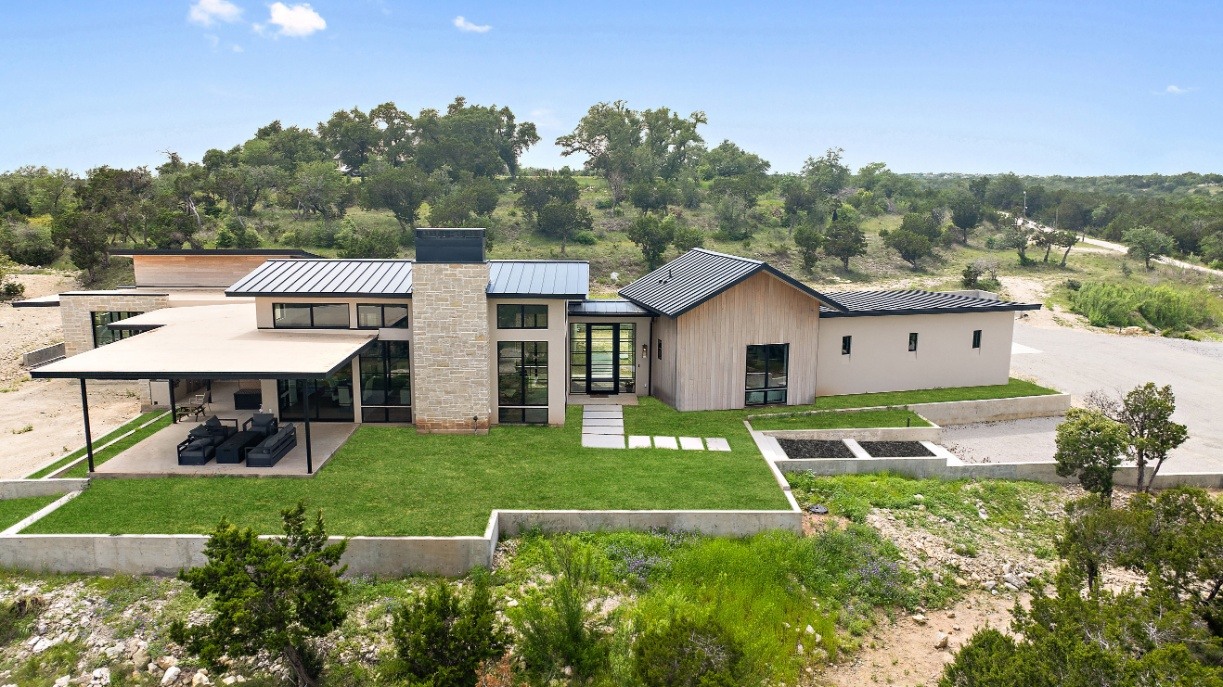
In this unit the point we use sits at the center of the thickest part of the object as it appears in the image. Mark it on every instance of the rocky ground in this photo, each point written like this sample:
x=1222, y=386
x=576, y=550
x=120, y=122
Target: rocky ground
x=40, y=420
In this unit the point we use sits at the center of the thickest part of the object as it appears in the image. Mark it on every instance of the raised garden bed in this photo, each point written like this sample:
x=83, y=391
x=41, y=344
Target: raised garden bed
x=815, y=448
x=896, y=449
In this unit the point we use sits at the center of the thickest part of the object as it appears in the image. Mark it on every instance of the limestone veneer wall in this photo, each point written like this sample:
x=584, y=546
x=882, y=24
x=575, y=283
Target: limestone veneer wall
x=76, y=308
x=450, y=336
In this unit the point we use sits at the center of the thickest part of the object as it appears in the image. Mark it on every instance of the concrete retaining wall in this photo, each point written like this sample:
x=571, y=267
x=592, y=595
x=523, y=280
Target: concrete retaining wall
x=992, y=410
x=716, y=523
x=21, y=488
x=863, y=434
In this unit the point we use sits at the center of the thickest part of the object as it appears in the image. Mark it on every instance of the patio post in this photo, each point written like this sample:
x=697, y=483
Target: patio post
x=306, y=415
x=173, y=409
x=85, y=413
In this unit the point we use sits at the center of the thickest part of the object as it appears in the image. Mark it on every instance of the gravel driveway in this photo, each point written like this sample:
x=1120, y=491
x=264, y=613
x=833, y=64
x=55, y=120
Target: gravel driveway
x=1080, y=361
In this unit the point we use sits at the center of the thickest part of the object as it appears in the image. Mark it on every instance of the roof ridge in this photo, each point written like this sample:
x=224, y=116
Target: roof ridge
x=754, y=261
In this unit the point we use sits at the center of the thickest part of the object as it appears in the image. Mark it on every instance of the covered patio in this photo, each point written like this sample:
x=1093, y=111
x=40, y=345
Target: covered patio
x=220, y=344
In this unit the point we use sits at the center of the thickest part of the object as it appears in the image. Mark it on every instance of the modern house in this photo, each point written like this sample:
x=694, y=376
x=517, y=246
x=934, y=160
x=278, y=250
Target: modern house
x=453, y=342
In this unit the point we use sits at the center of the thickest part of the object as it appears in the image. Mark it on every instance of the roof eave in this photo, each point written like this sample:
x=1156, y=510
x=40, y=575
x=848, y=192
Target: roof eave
x=1011, y=307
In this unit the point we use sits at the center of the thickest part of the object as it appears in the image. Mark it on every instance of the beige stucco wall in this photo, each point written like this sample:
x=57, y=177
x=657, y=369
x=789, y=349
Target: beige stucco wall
x=711, y=353
x=218, y=271
x=75, y=309
x=558, y=352
x=450, y=346
x=880, y=359
x=641, y=337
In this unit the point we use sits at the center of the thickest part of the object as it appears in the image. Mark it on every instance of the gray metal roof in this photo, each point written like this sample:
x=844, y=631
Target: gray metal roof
x=306, y=277
x=507, y=278
x=868, y=303
x=698, y=275
x=610, y=308
x=538, y=279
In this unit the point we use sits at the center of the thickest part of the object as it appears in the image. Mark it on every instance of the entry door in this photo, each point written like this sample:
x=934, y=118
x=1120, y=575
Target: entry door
x=602, y=370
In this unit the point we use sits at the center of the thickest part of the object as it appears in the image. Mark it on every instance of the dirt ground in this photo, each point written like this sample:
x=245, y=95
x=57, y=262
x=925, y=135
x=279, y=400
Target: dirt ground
x=41, y=419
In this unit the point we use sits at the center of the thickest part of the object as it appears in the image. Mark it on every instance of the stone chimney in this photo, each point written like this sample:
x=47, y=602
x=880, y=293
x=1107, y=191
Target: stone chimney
x=450, y=342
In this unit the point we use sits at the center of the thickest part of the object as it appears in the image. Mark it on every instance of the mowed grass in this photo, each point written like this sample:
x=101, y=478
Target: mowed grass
x=890, y=417
x=13, y=511
x=393, y=481
x=104, y=455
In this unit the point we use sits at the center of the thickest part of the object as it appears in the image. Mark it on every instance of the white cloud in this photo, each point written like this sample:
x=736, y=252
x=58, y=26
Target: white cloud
x=297, y=21
x=209, y=12
x=1173, y=89
x=462, y=24
x=236, y=48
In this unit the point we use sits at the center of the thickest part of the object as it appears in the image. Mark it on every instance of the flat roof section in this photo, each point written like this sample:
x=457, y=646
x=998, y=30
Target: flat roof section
x=607, y=308
x=287, y=252
x=50, y=301
x=212, y=342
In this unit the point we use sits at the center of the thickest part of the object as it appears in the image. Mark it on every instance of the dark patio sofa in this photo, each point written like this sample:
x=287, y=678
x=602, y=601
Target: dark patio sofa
x=202, y=441
x=268, y=452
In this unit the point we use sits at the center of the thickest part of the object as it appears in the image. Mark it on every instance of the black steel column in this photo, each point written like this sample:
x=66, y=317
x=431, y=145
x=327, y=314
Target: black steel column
x=173, y=410
x=306, y=414
x=85, y=412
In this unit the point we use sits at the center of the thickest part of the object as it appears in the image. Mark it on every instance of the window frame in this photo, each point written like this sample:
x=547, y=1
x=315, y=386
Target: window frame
x=976, y=339
x=523, y=412
x=771, y=393
x=97, y=326
x=847, y=344
x=407, y=316
x=311, y=307
x=912, y=342
x=660, y=348
x=519, y=319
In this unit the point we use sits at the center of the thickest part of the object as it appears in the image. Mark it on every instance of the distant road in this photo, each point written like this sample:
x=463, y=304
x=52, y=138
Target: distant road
x=1117, y=247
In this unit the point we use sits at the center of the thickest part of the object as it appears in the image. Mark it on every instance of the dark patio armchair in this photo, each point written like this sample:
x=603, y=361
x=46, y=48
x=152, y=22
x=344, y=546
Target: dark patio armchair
x=214, y=430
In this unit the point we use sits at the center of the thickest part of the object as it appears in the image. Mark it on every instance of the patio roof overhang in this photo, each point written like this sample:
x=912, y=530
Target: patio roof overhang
x=212, y=342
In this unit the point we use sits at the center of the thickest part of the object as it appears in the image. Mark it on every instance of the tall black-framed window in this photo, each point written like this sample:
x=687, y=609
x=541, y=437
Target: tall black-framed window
x=102, y=333
x=522, y=382
x=330, y=399
x=381, y=315
x=310, y=315
x=912, y=341
x=976, y=338
x=767, y=374
x=386, y=382
x=522, y=316
x=847, y=344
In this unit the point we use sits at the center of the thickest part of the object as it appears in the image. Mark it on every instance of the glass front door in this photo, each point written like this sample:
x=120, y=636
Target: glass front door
x=601, y=358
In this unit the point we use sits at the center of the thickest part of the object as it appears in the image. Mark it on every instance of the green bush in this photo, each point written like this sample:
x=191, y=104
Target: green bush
x=1165, y=307
x=28, y=245
x=442, y=640
x=555, y=628
x=584, y=238
x=688, y=652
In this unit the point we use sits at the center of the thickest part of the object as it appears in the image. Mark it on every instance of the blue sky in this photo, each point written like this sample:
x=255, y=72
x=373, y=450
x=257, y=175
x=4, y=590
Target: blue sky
x=1070, y=87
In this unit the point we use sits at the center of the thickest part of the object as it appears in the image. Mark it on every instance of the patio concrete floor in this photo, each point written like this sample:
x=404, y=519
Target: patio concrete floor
x=156, y=456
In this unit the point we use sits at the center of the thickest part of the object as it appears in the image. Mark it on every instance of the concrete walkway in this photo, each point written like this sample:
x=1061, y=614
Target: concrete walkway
x=603, y=427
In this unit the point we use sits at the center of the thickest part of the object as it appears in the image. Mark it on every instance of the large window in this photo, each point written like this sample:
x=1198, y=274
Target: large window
x=386, y=382
x=601, y=358
x=518, y=316
x=102, y=333
x=522, y=382
x=310, y=315
x=767, y=377
x=379, y=316
x=330, y=399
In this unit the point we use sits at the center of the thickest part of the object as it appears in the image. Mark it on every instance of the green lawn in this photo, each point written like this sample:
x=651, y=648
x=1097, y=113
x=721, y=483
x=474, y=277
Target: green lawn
x=12, y=511
x=393, y=481
x=102, y=456
x=891, y=417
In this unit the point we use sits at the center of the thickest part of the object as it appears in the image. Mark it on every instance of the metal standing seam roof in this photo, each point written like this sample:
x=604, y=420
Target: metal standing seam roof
x=608, y=307
x=323, y=277
x=538, y=278
x=868, y=303
x=699, y=275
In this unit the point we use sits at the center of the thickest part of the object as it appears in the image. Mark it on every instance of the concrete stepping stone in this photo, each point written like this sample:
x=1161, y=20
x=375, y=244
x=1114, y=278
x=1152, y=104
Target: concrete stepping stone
x=637, y=441
x=717, y=444
x=691, y=444
x=603, y=440
x=603, y=408
x=602, y=422
x=666, y=442
x=611, y=429
x=602, y=414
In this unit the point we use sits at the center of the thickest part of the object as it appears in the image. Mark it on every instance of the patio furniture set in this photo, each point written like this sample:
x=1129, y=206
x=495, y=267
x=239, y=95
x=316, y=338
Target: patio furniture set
x=261, y=442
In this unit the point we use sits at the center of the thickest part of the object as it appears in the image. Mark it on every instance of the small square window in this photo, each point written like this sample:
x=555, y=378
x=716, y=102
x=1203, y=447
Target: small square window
x=976, y=338
x=913, y=341
x=846, y=344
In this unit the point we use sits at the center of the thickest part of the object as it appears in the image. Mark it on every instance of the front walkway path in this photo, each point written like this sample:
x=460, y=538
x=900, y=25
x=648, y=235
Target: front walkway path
x=603, y=427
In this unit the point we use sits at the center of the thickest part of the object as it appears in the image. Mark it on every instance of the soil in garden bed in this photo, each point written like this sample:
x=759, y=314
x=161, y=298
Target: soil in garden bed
x=815, y=448
x=896, y=449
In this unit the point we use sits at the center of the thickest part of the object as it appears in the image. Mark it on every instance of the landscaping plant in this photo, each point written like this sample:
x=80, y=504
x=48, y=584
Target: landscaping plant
x=1146, y=413
x=277, y=596
x=1089, y=446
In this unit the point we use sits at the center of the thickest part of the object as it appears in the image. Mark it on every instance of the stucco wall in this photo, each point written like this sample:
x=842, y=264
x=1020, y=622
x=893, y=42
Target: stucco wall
x=558, y=352
x=76, y=309
x=450, y=334
x=880, y=359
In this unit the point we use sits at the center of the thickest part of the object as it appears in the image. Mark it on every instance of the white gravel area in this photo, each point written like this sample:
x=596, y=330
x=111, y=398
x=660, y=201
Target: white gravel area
x=1018, y=441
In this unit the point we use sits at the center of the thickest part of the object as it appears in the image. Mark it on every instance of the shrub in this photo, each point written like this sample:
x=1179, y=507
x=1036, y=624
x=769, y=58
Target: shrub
x=687, y=652
x=15, y=616
x=603, y=204
x=1166, y=307
x=11, y=290
x=445, y=640
x=1105, y=305
x=555, y=628
x=585, y=238
x=29, y=245
x=367, y=242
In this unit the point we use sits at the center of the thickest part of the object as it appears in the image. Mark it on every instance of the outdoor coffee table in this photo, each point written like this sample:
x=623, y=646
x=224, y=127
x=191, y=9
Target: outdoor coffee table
x=233, y=450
